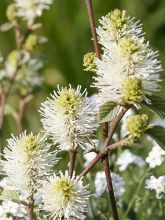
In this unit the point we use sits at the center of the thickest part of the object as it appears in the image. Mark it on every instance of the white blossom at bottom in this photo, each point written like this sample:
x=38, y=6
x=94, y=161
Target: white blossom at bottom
x=9, y=208
x=156, y=156
x=157, y=184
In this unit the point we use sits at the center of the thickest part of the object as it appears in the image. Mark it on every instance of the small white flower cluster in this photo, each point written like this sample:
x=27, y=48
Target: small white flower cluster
x=12, y=209
x=128, y=66
x=126, y=158
x=100, y=184
x=30, y=9
x=9, y=208
x=156, y=156
x=157, y=184
x=69, y=117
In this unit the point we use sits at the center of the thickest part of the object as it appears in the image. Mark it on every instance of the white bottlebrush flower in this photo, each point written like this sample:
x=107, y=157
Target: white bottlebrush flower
x=100, y=184
x=117, y=24
x=30, y=9
x=65, y=197
x=129, y=62
x=26, y=161
x=156, y=156
x=69, y=117
x=126, y=158
x=128, y=69
x=157, y=184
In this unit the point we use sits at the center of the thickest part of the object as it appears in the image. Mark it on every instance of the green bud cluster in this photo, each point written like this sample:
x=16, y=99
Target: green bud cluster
x=11, y=12
x=68, y=101
x=89, y=62
x=129, y=46
x=118, y=18
x=31, y=42
x=136, y=125
x=132, y=90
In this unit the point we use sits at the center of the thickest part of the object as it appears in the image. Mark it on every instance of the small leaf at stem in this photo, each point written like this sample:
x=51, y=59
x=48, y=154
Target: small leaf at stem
x=156, y=104
x=9, y=195
x=158, y=134
x=107, y=112
x=8, y=109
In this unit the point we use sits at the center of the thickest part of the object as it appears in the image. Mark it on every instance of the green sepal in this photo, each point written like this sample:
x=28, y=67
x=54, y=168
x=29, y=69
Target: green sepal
x=8, y=110
x=156, y=104
x=158, y=134
x=107, y=112
x=9, y=195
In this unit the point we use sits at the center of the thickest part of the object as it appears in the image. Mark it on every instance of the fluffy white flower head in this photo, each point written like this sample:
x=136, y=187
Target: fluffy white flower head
x=27, y=160
x=157, y=184
x=65, y=197
x=30, y=9
x=128, y=66
x=69, y=117
x=156, y=156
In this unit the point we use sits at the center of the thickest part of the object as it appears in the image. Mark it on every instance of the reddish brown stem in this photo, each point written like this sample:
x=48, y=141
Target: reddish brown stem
x=30, y=208
x=110, y=187
x=115, y=123
x=72, y=159
x=93, y=28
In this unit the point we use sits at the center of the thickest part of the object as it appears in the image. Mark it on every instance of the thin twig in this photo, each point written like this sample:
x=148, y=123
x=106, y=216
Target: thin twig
x=30, y=208
x=72, y=158
x=110, y=187
x=115, y=123
x=93, y=29
x=104, y=151
x=20, y=202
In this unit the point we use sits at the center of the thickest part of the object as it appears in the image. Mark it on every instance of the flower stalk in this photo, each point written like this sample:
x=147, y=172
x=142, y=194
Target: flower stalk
x=108, y=132
x=72, y=159
x=30, y=208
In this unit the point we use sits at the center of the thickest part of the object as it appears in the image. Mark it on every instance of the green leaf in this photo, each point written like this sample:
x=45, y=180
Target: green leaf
x=156, y=104
x=8, y=109
x=9, y=195
x=107, y=112
x=158, y=134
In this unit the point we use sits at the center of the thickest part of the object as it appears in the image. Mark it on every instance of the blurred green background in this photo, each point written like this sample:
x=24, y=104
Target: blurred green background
x=69, y=38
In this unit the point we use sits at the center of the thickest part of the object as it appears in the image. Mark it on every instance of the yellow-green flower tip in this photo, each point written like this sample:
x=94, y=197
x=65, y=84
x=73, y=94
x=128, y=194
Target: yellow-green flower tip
x=118, y=18
x=68, y=100
x=11, y=12
x=132, y=90
x=89, y=62
x=136, y=125
x=31, y=42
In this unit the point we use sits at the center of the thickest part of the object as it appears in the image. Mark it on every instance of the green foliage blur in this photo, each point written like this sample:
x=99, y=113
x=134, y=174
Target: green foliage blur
x=69, y=37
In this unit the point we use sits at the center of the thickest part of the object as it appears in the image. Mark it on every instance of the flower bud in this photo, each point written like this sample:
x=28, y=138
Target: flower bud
x=132, y=90
x=11, y=12
x=90, y=62
x=136, y=125
x=31, y=42
x=118, y=18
